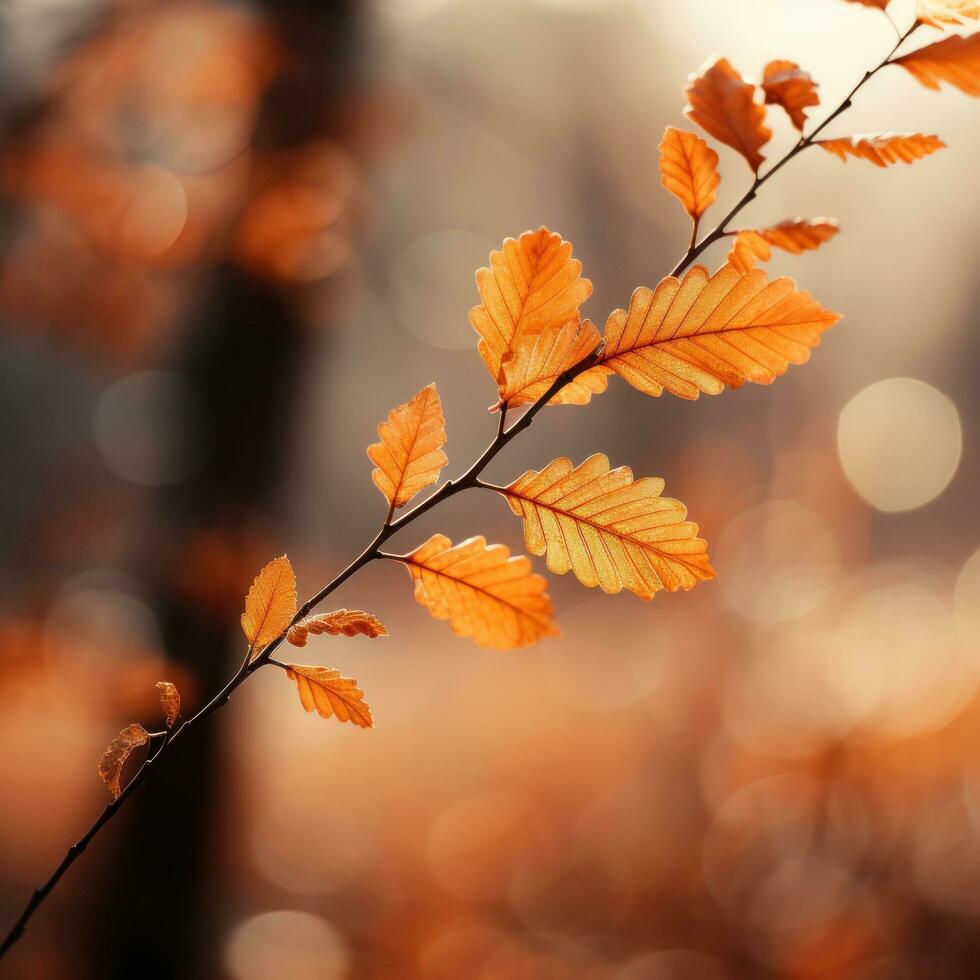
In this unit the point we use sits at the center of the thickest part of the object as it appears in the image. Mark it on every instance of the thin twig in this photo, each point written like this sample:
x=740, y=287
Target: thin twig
x=804, y=142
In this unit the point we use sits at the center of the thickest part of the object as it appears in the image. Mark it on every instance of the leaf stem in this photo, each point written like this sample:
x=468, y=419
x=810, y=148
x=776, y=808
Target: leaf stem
x=804, y=142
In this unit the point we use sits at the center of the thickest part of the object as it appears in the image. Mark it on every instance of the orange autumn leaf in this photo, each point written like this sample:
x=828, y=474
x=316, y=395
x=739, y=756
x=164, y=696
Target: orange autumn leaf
x=530, y=369
x=689, y=170
x=270, y=603
x=748, y=248
x=795, y=235
x=331, y=694
x=880, y=4
x=609, y=529
x=703, y=332
x=169, y=701
x=533, y=283
x=938, y=13
x=955, y=60
x=349, y=622
x=723, y=104
x=885, y=149
x=482, y=591
x=409, y=456
x=785, y=84
x=115, y=756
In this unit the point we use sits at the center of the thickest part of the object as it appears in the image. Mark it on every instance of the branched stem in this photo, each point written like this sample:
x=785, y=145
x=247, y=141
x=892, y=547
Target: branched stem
x=804, y=142
x=160, y=742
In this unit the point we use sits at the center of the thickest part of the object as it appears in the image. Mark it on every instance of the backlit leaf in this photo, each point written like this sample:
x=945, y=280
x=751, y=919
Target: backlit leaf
x=609, y=529
x=880, y=4
x=689, y=170
x=795, y=235
x=704, y=332
x=531, y=369
x=169, y=701
x=955, y=60
x=409, y=456
x=349, y=622
x=723, y=104
x=884, y=150
x=532, y=283
x=115, y=756
x=787, y=85
x=941, y=12
x=482, y=591
x=270, y=603
x=331, y=694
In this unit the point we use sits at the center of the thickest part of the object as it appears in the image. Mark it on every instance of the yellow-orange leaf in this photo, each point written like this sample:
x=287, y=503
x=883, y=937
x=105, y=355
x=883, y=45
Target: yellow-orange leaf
x=483, y=591
x=350, y=622
x=532, y=283
x=704, y=332
x=169, y=701
x=115, y=756
x=689, y=170
x=955, y=60
x=940, y=12
x=795, y=235
x=880, y=4
x=609, y=529
x=270, y=603
x=531, y=369
x=748, y=248
x=409, y=456
x=883, y=150
x=787, y=85
x=331, y=694
x=723, y=104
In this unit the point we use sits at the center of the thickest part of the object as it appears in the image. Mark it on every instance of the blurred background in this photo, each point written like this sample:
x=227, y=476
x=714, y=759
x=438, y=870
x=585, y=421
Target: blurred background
x=232, y=237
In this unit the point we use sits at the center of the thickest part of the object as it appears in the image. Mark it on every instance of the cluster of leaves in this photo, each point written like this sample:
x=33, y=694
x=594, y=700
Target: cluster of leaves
x=689, y=335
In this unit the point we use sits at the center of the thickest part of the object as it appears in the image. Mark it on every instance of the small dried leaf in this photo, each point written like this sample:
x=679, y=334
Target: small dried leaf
x=940, y=12
x=270, y=603
x=331, y=694
x=115, y=756
x=532, y=284
x=795, y=235
x=787, y=85
x=349, y=622
x=609, y=529
x=703, y=332
x=409, y=456
x=884, y=149
x=723, y=104
x=169, y=701
x=482, y=591
x=955, y=60
x=689, y=170
x=531, y=369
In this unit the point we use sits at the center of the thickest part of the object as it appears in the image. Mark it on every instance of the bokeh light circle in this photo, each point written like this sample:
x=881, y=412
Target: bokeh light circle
x=287, y=945
x=899, y=442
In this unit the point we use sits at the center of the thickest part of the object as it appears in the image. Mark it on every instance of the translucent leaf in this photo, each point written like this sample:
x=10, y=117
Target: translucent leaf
x=349, y=622
x=939, y=13
x=785, y=84
x=955, y=60
x=169, y=701
x=331, y=694
x=409, y=456
x=531, y=369
x=795, y=235
x=701, y=333
x=483, y=591
x=115, y=756
x=885, y=149
x=270, y=603
x=723, y=104
x=533, y=283
x=609, y=529
x=689, y=170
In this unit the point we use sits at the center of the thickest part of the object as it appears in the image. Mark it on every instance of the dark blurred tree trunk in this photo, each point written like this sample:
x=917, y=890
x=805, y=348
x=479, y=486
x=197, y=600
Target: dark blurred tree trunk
x=242, y=357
